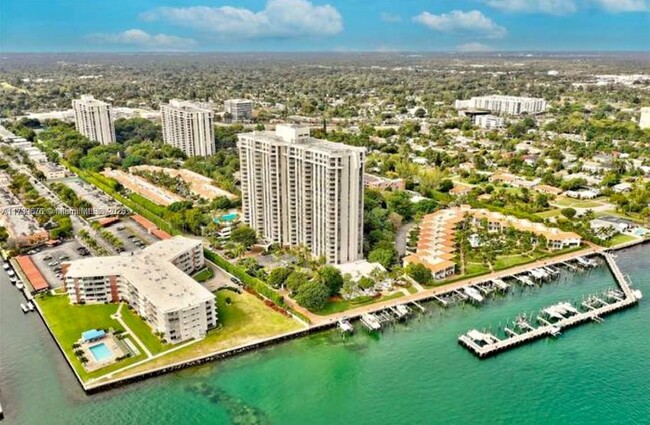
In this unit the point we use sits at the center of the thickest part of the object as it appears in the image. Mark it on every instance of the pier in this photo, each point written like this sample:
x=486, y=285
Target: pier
x=567, y=316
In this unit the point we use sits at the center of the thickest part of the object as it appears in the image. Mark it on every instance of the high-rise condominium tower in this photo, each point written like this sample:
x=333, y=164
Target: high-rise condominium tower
x=189, y=127
x=298, y=190
x=239, y=109
x=93, y=119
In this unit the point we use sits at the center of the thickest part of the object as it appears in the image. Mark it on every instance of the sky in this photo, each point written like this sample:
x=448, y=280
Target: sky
x=324, y=25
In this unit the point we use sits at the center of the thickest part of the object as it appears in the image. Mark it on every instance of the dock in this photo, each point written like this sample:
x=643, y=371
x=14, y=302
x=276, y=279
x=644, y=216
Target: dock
x=563, y=314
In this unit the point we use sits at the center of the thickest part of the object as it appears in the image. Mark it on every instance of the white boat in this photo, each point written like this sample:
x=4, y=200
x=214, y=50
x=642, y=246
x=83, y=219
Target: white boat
x=11, y=272
x=20, y=286
x=13, y=280
x=345, y=326
x=500, y=284
x=555, y=331
x=637, y=294
x=552, y=312
x=30, y=306
x=473, y=294
x=24, y=307
x=6, y=266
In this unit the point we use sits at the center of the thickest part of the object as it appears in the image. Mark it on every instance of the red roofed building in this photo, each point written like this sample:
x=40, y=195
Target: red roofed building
x=31, y=272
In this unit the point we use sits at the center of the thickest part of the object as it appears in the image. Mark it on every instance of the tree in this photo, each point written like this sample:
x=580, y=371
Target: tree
x=278, y=276
x=383, y=256
x=296, y=281
x=568, y=212
x=420, y=113
x=400, y=202
x=313, y=295
x=366, y=283
x=445, y=186
x=244, y=235
x=419, y=273
x=331, y=277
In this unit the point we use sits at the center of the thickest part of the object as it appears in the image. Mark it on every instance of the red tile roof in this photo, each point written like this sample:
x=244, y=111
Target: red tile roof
x=32, y=273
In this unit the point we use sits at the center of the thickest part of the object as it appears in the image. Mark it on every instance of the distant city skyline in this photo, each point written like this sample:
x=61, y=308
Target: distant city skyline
x=324, y=25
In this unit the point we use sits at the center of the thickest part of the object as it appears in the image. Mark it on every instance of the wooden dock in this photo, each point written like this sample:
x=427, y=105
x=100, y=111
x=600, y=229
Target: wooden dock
x=548, y=329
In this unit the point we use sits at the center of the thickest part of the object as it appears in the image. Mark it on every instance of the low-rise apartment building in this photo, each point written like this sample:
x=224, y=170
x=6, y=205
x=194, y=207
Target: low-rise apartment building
x=155, y=282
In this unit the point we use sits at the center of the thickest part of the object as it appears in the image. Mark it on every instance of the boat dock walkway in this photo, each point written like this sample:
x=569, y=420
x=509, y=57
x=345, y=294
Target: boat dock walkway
x=488, y=349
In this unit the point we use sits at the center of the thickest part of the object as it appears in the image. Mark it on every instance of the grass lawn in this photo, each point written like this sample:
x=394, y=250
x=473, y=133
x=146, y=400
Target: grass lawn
x=338, y=306
x=506, y=261
x=203, y=275
x=620, y=239
x=245, y=320
x=548, y=214
x=412, y=289
x=576, y=203
x=472, y=269
x=143, y=331
x=67, y=322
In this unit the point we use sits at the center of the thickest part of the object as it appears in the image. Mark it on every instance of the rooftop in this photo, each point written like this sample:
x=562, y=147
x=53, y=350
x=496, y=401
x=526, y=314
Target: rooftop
x=151, y=272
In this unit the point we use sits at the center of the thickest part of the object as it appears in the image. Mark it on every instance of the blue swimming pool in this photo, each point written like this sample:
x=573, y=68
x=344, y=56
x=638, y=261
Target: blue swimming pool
x=100, y=352
x=225, y=218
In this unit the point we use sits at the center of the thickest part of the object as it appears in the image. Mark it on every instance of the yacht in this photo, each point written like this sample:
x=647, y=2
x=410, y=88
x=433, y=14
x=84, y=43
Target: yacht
x=473, y=294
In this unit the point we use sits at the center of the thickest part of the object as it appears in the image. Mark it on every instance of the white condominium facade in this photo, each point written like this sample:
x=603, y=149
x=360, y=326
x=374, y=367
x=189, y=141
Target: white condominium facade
x=239, y=109
x=644, y=121
x=506, y=105
x=189, y=127
x=94, y=119
x=298, y=190
x=154, y=281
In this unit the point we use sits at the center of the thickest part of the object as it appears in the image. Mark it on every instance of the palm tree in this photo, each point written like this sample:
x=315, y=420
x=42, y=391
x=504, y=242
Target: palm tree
x=238, y=250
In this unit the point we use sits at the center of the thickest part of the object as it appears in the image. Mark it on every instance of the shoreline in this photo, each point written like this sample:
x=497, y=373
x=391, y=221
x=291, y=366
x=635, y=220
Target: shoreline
x=328, y=322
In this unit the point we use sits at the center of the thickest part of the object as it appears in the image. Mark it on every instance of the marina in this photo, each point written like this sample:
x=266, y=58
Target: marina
x=553, y=319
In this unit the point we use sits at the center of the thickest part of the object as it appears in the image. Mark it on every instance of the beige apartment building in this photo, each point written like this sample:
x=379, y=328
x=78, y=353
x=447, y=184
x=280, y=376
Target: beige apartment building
x=94, y=119
x=156, y=282
x=241, y=110
x=189, y=127
x=299, y=190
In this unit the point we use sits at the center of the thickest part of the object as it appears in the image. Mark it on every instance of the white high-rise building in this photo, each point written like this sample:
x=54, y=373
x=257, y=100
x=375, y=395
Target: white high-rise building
x=94, y=119
x=506, y=105
x=298, y=190
x=239, y=109
x=644, y=122
x=154, y=281
x=189, y=127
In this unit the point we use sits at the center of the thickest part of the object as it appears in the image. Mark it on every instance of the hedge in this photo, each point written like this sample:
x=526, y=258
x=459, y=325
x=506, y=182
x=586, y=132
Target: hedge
x=248, y=280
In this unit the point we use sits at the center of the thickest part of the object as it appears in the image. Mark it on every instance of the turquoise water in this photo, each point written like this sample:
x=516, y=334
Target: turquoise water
x=100, y=352
x=412, y=373
x=227, y=217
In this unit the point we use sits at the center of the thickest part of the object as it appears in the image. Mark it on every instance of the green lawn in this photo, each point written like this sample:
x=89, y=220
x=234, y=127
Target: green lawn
x=548, y=214
x=338, y=306
x=203, y=275
x=143, y=331
x=245, y=320
x=472, y=269
x=67, y=322
x=576, y=203
x=507, y=261
x=620, y=239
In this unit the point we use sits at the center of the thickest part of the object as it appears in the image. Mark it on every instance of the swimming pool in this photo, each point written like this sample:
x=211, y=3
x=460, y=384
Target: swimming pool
x=100, y=352
x=227, y=217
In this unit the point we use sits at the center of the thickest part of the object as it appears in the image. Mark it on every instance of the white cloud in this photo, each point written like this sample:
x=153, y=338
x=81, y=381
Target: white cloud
x=552, y=7
x=566, y=7
x=390, y=17
x=458, y=21
x=279, y=18
x=624, y=5
x=139, y=38
x=474, y=47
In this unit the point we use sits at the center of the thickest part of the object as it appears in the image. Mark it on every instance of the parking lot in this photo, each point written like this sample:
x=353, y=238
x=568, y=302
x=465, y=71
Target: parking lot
x=49, y=260
x=89, y=193
x=134, y=236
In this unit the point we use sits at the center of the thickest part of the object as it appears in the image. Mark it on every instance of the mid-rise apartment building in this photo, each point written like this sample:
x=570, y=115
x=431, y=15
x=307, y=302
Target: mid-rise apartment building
x=93, y=118
x=299, y=190
x=154, y=281
x=644, y=121
x=189, y=127
x=504, y=105
x=240, y=110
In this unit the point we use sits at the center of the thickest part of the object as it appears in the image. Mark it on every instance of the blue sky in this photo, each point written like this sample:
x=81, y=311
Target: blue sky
x=324, y=25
